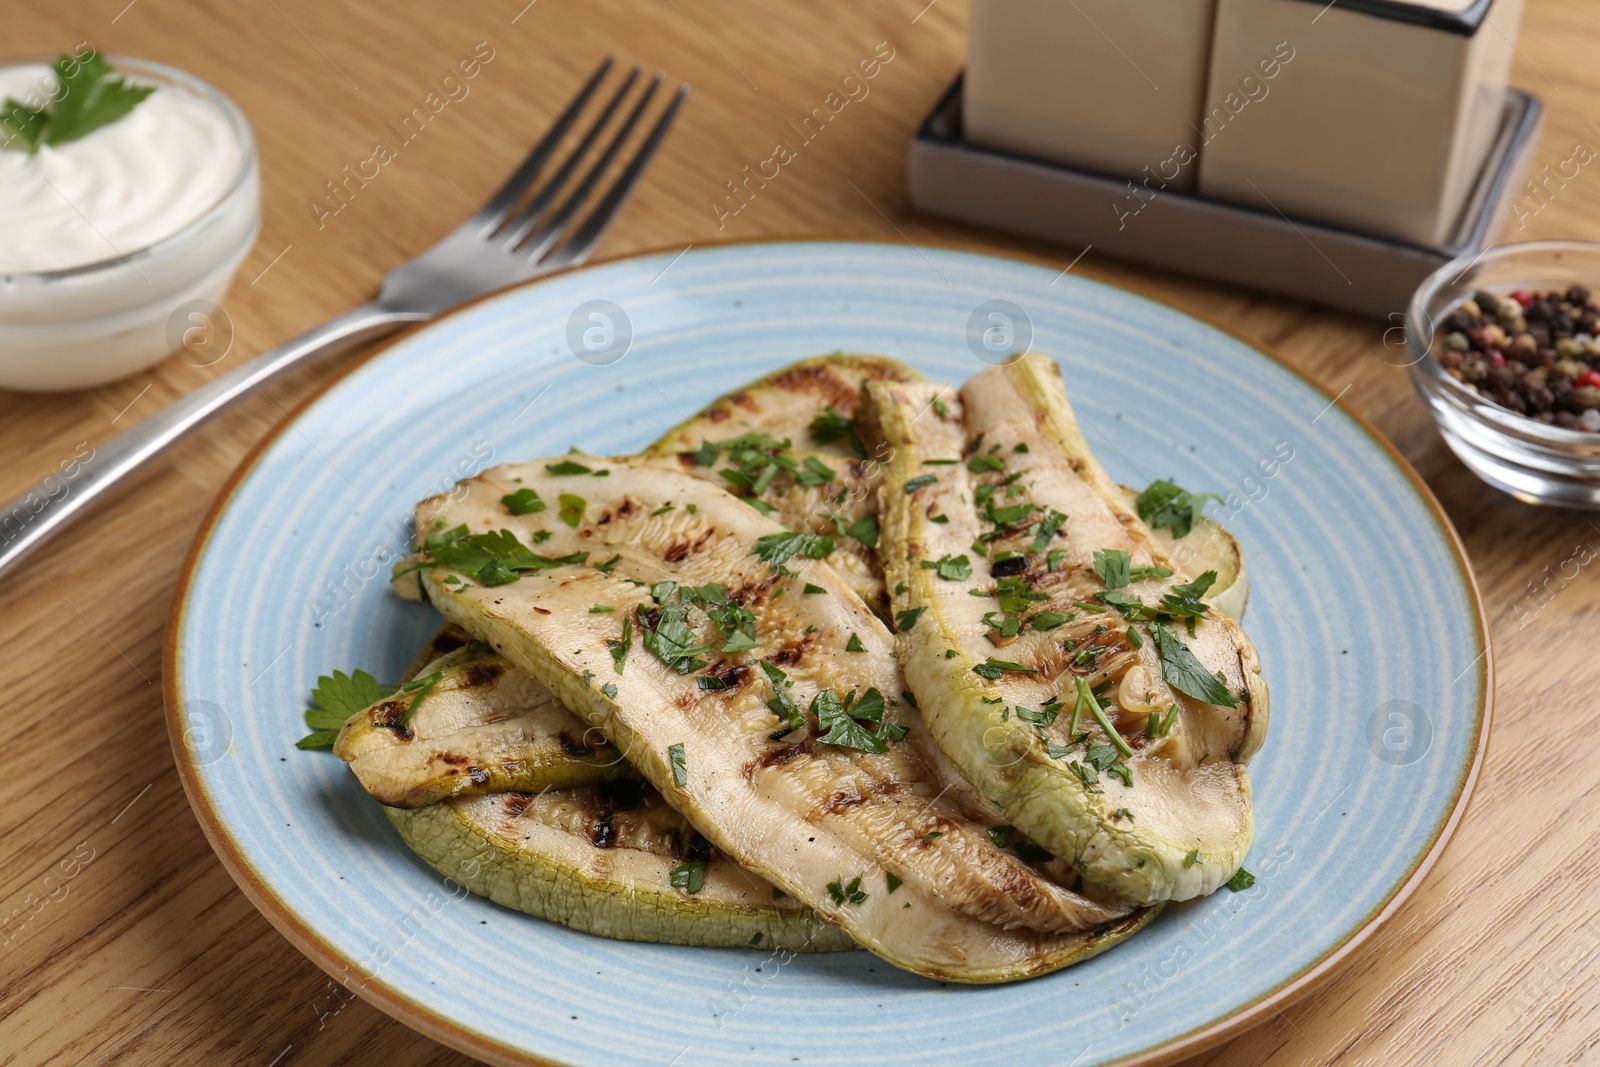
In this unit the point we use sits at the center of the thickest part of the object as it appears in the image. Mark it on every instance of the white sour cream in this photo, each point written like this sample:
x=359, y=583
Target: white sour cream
x=120, y=189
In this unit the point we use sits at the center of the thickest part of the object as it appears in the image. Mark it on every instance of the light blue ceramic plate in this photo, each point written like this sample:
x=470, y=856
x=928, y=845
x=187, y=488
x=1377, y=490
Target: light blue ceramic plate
x=1363, y=610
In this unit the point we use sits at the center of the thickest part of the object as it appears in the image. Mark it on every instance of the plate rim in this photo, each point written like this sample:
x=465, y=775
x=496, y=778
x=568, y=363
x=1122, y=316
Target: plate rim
x=432, y=1023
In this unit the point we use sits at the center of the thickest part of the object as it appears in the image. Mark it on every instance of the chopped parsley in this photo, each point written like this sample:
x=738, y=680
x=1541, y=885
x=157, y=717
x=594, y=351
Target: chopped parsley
x=951, y=568
x=814, y=590
x=830, y=426
x=1192, y=858
x=864, y=529
x=493, y=558
x=780, y=703
x=854, y=644
x=600, y=609
x=567, y=466
x=779, y=548
x=689, y=877
x=841, y=721
x=522, y=502
x=921, y=481
x=1241, y=880
x=978, y=464
x=1172, y=506
x=680, y=768
x=665, y=633
x=1184, y=673
x=610, y=690
x=1111, y=564
x=905, y=620
x=422, y=687
x=992, y=668
x=572, y=507
x=606, y=567
x=850, y=893
x=619, y=647
x=892, y=881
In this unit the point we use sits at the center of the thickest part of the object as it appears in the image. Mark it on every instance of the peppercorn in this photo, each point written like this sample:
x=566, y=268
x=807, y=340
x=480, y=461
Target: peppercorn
x=1533, y=353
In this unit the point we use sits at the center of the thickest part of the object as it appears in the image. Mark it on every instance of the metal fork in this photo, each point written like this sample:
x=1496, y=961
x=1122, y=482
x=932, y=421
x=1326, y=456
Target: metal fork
x=506, y=241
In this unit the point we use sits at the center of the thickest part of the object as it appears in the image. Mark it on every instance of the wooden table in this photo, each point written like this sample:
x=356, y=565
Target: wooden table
x=149, y=954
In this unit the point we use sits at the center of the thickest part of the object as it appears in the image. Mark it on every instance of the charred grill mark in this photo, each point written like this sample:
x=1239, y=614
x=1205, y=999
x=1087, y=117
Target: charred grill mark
x=821, y=382
x=716, y=414
x=782, y=754
x=626, y=507
x=391, y=716
x=517, y=803
x=604, y=519
x=743, y=400
x=478, y=775
x=792, y=653
x=573, y=748
x=479, y=674
x=449, y=759
x=1007, y=567
x=731, y=677
x=677, y=553
x=842, y=800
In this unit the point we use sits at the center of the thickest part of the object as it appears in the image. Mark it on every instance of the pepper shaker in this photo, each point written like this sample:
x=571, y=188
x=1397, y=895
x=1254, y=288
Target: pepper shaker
x=1382, y=120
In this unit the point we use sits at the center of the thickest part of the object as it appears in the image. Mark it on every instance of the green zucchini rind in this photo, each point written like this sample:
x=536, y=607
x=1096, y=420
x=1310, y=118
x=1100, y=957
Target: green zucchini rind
x=601, y=859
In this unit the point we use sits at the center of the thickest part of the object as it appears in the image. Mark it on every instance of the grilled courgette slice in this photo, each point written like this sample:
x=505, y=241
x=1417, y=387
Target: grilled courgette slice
x=1053, y=658
x=745, y=680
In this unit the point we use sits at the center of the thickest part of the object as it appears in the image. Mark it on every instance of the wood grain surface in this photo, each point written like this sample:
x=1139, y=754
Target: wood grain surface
x=137, y=948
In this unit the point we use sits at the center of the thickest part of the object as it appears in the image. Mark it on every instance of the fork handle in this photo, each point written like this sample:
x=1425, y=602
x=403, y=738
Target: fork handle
x=36, y=516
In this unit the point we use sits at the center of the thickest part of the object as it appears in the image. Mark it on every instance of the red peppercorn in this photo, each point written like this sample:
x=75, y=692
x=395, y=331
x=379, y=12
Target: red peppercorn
x=1523, y=297
x=1588, y=377
x=1498, y=359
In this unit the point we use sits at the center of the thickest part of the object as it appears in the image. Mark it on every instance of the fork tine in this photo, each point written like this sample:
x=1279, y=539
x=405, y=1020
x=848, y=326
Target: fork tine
x=505, y=198
x=517, y=229
x=583, y=240
x=540, y=241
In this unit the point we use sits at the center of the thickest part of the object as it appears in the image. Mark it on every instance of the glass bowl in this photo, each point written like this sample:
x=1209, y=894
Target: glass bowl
x=1534, y=462
x=87, y=325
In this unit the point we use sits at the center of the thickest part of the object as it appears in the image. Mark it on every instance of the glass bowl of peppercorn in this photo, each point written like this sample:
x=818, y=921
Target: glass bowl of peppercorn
x=1504, y=348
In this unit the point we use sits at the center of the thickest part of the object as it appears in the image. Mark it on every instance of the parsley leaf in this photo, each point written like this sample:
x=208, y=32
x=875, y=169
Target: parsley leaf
x=992, y=668
x=1241, y=880
x=951, y=568
x=780, y=703
x=779, y=548
x=905, y=620
x=921, y=481
x=494, y=558
x=892, y=881
x=1185, y=600
x=1172, y=506
x=665, y=633
x=814, y=472
x=837, y=720
x=572, y=507
x=830, y=426
x=705, y=455
x=690, y=877
x=978, y=464
x=865, y=530
x=1183, y=672
x=338, y=696
x=90, y=98
x=566, y=466
x=619, y=647
x=854, y=644
x=680, y=768
x=846, y=894
x=1048, y=527
x=522, y=502
x=1111, y=564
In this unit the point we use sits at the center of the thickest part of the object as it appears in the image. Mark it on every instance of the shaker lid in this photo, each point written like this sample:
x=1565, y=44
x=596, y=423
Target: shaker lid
x=1452, y=16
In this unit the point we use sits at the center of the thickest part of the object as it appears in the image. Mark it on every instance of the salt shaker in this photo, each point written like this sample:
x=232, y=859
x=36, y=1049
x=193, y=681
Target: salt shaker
x=1113, y=86
x=1381, y=120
